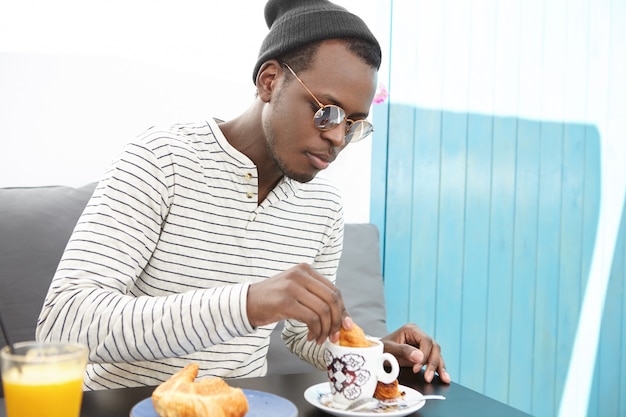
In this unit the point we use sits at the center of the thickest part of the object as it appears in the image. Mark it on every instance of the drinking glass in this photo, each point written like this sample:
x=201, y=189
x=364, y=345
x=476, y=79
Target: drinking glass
x=43, y=379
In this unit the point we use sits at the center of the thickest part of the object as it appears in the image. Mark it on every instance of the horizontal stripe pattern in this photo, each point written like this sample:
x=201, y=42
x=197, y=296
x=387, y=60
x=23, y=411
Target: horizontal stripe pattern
x=157, y=270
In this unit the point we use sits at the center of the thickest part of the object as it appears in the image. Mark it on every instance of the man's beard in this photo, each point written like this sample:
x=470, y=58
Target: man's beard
x=282, y=166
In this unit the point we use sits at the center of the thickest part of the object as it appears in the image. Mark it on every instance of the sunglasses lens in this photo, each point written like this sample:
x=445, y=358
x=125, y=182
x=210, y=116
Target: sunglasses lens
x=358, y=130
x=328, y=117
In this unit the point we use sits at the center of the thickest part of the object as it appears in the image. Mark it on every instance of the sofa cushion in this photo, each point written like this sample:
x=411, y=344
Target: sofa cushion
x=35, y=225
x=360, y=278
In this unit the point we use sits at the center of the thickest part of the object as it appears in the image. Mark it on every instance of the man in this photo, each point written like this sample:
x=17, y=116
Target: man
x=202, y=236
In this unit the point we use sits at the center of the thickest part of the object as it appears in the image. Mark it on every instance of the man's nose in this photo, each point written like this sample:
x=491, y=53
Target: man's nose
x=337, y=135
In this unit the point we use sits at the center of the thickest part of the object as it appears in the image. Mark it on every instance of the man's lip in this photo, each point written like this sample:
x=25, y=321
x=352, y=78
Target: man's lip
x=320, y=161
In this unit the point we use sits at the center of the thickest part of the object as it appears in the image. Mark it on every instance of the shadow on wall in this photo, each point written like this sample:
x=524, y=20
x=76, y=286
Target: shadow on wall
x=488, y=226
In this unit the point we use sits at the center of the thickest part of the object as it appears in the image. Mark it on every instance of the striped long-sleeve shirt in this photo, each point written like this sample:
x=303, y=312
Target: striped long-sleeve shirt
x=156, y=272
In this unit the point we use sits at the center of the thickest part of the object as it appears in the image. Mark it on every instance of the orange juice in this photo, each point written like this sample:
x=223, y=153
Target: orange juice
x=53, y=399
x=43, y=381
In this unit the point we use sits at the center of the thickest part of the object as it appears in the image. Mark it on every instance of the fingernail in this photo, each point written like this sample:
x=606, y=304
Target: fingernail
x=429, y=376
x=417, y=356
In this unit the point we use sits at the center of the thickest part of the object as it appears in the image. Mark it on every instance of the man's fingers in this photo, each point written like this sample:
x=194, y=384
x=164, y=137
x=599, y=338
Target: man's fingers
x=328, y=304
x=316, y=315
x=413, y=347
x=323, y=303
x=406, y=355
x=435, y=363
x=299, y=293
x=431, y=368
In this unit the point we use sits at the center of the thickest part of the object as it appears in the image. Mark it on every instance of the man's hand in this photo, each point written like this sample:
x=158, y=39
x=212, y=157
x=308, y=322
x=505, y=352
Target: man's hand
x=298, y=293
x=412, y=347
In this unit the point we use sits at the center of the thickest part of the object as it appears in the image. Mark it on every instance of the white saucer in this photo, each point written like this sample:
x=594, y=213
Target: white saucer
x=319, y=395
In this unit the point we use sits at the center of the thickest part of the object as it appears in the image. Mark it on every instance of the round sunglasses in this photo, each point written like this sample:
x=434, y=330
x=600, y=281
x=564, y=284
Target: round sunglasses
x=329, y=116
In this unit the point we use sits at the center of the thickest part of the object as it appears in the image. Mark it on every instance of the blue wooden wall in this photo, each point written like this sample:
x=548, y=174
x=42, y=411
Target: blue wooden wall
x=488, y=226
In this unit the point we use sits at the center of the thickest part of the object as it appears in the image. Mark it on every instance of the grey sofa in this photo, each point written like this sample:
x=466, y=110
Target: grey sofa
x=36, y=223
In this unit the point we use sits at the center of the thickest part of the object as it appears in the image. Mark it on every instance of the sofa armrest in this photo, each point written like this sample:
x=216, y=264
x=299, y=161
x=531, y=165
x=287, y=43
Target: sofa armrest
x=35, y=225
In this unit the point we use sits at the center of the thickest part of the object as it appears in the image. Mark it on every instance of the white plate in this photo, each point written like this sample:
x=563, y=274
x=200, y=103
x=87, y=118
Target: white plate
x=319, y=395
x=260, y=404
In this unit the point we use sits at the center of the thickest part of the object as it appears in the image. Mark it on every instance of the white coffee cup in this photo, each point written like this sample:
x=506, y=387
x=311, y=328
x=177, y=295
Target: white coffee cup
x=353, y=372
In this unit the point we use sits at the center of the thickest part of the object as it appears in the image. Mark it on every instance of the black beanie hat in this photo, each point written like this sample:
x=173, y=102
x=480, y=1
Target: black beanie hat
x=294, y=23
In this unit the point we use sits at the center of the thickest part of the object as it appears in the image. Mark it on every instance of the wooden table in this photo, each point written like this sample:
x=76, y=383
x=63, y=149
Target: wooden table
x=460, y=401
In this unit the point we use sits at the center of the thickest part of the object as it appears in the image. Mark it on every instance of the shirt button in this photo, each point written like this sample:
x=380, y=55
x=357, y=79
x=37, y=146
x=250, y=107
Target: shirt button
x=249, y=194
x=248, y=176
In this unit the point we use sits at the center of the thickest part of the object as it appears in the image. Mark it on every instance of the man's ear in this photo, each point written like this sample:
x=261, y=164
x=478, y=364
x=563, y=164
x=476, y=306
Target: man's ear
x=267, y=79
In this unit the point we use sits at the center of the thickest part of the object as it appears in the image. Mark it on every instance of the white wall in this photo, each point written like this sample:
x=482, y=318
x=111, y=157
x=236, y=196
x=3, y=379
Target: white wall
x=79, y=78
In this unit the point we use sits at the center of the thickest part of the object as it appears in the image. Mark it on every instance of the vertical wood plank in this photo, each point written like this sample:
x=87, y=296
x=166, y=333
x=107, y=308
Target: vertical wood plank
x=508, y=39
x=456, y=52
x=422, y=30
x=548, y=251
x=378, y=173
x=572, y=221
x=482, y=58
x=530, y=50
x=553, y=104
x=524, y=265
x=425, y=205
x=476, y=256
x=553, y=59
x=591, y=210
x=399, y=214
x=500, y=275
x=577, y=56
x=450, y=244
x=509, y=36
x=591, y=199
x=526, y=212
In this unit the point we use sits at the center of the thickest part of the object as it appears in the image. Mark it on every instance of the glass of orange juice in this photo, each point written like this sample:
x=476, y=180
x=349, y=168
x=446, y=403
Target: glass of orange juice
x=43, y=379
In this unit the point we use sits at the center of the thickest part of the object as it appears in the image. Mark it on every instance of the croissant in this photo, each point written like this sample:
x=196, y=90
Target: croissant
x=354, y=337
x=180, y=396
x=388, y=391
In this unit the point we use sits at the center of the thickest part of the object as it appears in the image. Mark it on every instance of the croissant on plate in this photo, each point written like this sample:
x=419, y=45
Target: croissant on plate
x=181, y=396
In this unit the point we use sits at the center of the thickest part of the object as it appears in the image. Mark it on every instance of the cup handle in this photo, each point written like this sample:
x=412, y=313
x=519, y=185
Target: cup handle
x=388, y=377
